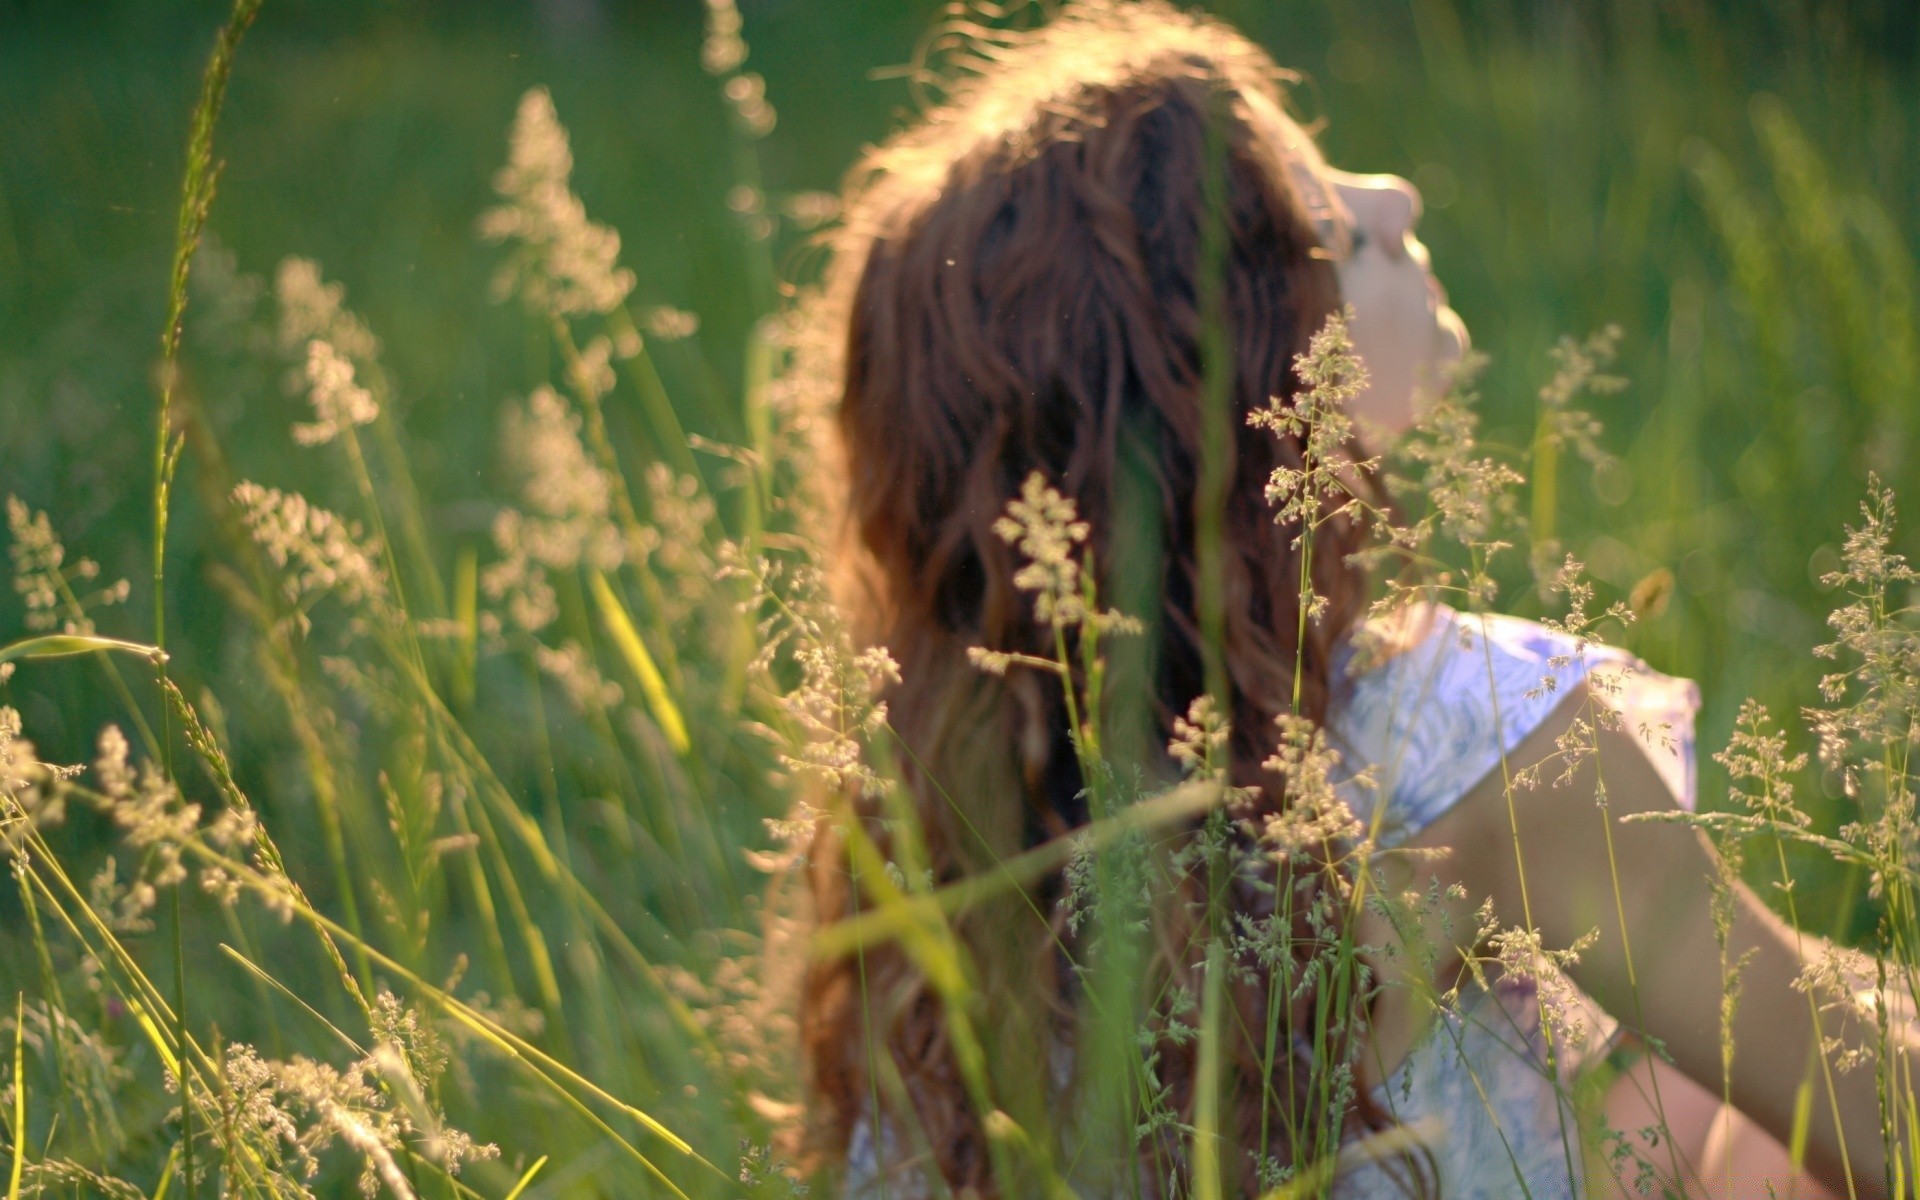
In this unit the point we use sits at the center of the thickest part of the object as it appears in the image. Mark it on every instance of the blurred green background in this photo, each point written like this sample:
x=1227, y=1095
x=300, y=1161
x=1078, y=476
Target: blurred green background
x=1737, y=185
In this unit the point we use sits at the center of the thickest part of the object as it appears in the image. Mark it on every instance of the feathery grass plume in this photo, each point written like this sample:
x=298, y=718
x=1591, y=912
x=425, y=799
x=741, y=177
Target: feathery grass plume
x=1559, y=426
x=567, y=522
x=568, y=495
x=746, y=92
x=724, y=50
x=1604, y=686
x=319, y=552
x=1842, y=981
x=675, y=545
x=1469, y=497
x=1761, y=790
x=286, y=1114
x=1760, y=771
x=1321, y=487
x=832, y=708
x=670, y=324
x=564, y=264
x=29, y=787
x=1520, y=955
x=155, y=821
x=45, y=581
x=1199, y=746
x=585, y=688
x=1313, y=817
x=1579, y=370
x=93, y=1069
x=759, y=1167
x=1046, y=527
x=1880, y=628
x=312, y=309
x=1728, y=860
x=339, y=403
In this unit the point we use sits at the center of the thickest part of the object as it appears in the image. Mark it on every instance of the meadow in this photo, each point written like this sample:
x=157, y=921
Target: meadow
x=435, y=855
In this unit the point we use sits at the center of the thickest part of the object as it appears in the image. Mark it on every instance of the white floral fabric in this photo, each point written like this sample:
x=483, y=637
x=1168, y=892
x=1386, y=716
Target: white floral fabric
x=1447, y=698
x=1455, y=694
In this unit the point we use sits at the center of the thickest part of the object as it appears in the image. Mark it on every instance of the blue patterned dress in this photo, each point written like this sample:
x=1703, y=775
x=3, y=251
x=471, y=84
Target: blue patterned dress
x=1432, y=717
x=1433, y=720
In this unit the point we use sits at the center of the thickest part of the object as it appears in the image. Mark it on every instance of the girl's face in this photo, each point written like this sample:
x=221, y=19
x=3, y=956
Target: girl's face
x=1402, y=328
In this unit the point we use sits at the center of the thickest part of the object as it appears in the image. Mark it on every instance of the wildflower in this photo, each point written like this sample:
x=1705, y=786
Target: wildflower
x=567, y=265
x=339, y=403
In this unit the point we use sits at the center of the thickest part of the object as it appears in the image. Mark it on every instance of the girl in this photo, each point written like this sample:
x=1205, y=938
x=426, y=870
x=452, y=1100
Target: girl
x=1110, y=237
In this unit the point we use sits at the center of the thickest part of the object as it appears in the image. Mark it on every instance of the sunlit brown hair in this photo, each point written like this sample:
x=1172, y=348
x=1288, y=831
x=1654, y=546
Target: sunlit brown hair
x=1019, y=284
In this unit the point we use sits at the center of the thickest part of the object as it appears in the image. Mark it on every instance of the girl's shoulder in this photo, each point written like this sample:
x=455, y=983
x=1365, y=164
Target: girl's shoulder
x=1429, y=701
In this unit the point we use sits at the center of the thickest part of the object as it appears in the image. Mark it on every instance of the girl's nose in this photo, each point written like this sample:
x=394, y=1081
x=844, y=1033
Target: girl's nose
x=1385, y=207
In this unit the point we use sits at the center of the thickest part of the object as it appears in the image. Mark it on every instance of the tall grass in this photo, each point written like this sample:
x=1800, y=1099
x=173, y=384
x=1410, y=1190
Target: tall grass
x=452, y=867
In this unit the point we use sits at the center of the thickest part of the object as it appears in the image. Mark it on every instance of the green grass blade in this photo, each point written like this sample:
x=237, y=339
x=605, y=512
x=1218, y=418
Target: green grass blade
x=1206, y=1103
x=527, y=1178
x=19, y=1094
x=166, y=1174
x=653, y=685
x=911, y=912
x=66, y=645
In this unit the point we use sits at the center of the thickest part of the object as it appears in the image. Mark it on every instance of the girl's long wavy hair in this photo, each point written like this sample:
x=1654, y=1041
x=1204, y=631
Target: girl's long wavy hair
x=1018, y=286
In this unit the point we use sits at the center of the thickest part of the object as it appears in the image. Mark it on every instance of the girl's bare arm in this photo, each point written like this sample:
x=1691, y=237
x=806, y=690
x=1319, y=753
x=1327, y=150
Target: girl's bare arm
x=1655, y=878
